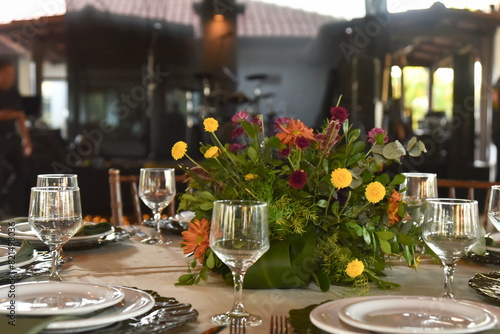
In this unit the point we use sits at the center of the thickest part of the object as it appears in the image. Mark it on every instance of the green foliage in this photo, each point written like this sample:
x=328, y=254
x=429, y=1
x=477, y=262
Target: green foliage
x=346, y=225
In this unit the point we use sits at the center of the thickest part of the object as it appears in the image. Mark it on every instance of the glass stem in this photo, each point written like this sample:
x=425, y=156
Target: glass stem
x=448, y=280
x=238, y=308
x=54, y=272
x=157, y=217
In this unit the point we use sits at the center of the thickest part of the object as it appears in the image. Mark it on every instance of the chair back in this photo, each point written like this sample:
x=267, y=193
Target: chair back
x=470, y=186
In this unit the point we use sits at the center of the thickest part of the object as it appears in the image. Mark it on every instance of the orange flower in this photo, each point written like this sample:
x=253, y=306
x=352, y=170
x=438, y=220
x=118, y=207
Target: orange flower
x=196, y=238
x=294, y=130
x=392, y=211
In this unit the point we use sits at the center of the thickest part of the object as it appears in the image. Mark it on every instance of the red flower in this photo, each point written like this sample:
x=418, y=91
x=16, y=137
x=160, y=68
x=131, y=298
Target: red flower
x=338, y=113
x=285, y=152
x=237, y=132
x=298, y=179
x=302, y=142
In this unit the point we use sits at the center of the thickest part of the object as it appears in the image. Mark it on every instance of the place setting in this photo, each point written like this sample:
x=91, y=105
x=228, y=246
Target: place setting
x=450, y=229
x=57, y=306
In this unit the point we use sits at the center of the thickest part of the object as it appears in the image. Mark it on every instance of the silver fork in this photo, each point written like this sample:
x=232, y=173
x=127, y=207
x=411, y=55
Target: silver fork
x=279, y=324
x=237, y=326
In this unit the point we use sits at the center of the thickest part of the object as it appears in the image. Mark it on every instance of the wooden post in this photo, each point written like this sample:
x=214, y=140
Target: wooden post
x=116, y=197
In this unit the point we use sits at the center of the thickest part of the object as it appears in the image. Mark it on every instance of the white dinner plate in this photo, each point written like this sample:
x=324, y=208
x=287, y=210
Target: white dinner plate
x=6, y=268
x=326, y=316
x=134, y=303
x=23, y=231
x=57, y=298
x=411, y=314
x=4, y=253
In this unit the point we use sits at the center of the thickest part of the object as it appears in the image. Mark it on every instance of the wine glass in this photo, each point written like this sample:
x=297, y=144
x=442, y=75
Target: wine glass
x=450, y=229
x=157, y=189
x=419, y=187
x=494, y=207
x=239, y=235
x=57, y=180
x=55, y=215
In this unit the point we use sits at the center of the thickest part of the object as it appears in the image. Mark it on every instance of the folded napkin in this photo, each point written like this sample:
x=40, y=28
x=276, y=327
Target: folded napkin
x=24, y=253
x=93, y=229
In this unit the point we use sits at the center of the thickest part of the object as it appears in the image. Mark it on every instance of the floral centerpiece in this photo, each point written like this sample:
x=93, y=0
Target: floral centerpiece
x=334, y=214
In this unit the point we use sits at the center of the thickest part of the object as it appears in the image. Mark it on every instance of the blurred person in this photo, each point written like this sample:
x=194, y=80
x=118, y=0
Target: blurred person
x=15, y=145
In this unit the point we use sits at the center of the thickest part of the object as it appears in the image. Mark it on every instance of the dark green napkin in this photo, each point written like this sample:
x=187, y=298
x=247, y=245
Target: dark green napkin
x=94, y=229
x=24, y=253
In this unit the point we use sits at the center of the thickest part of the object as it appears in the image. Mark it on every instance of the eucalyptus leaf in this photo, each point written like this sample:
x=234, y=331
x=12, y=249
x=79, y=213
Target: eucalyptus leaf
x=393, y=151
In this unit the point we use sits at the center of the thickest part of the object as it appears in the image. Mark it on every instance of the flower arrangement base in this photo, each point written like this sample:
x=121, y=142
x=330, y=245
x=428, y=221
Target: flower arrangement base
x=287, y=264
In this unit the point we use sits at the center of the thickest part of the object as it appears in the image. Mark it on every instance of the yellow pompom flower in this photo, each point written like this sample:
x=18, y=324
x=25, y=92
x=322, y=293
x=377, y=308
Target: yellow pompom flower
x=354, y=268
x=375, y=192
x=211, y=124
x=251, y=176
x=212, y=152
x=179, y=150
x=341, y=178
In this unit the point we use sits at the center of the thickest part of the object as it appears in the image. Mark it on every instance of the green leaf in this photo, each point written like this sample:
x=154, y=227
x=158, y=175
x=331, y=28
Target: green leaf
x=407, y=254
x=393, y=151
x=385, y=246
x=249, y=129
x=358, y=147
x=355, y=158
x=384, y=235
x=397, y=180
x=274, y=142
x=210, y=262
x=416, y=147
x=321, y=279
x=383, y=178
x=253, y=154
x=206, y=206
x=322, y=203
x=366, y=236
x=353, y=135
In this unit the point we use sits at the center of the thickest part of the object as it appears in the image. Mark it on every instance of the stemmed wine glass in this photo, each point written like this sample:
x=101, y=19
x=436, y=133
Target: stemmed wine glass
x=239, y=235
x=494, y=207
x=419, y=187
x=157, y=189
x=58, y=180
x=55, y=215
x=450, y=229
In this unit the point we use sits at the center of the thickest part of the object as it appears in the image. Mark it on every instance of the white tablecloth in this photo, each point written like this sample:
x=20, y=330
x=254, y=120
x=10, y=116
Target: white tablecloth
x=130, y=263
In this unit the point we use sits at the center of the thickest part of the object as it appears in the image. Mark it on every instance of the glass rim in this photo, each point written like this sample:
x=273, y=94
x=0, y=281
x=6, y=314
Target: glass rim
x=242, y=202
x=57, y=175
x=451, y=200
x=54, y=188
x=495, y=186
x=420, y=174
x=158, y=169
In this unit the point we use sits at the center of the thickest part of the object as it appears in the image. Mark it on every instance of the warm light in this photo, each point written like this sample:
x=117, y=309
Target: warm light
x=218, y=17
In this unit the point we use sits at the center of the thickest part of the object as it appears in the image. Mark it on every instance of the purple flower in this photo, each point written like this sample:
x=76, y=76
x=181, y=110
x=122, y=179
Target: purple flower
x=237, y=132
x=302, y=142
x=331, y=136
x=338, y=113
x=297, y=179
x=235, y=147
x=377, y=136
x=239, y=117
x=285, y=152
x=283, y=121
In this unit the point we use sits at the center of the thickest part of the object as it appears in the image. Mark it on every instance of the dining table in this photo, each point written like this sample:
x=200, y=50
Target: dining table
x=131, y=263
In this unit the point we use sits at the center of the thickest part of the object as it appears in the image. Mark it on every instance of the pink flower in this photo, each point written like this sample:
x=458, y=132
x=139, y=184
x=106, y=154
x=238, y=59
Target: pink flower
x=331, y=136
x=302, y=142
x=239, y=117
x=237, y=132
x=377, y=136
x=258, y=121
x=283, y=121
x=235, y=147
x=338, y=113
x=298, y=179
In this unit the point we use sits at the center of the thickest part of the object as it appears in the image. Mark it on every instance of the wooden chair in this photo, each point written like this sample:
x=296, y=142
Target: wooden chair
x=471, y=186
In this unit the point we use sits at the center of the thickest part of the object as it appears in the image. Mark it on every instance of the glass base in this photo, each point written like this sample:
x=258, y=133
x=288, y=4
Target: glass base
x=247, y=319
x=154, y=240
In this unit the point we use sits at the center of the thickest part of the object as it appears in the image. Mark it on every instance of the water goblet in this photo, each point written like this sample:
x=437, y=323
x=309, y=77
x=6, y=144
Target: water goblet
x=418, y=187
x=58, y=180
x=494, y=207
x=55, y=215
x=157, y=189
x=239, y=235
x=450, y=229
